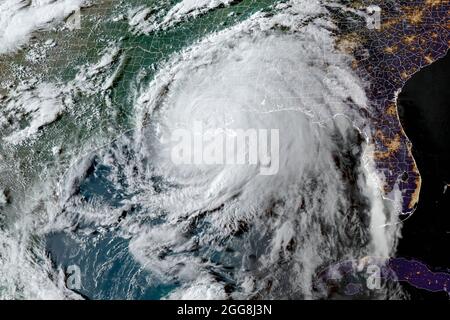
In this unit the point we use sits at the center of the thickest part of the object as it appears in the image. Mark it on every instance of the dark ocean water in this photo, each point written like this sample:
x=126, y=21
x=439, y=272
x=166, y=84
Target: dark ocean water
x=424, y=107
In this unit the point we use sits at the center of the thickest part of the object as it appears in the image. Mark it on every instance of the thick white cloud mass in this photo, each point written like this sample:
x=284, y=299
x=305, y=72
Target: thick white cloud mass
x=276, y=231
x=225, y=230
x=20, y=18
x=145, y=20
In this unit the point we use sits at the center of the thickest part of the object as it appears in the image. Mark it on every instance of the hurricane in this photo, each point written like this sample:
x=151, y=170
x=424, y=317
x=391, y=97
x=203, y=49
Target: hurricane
x=115, y=203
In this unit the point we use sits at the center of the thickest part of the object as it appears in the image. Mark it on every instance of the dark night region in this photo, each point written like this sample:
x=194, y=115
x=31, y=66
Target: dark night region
x=424, y=109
